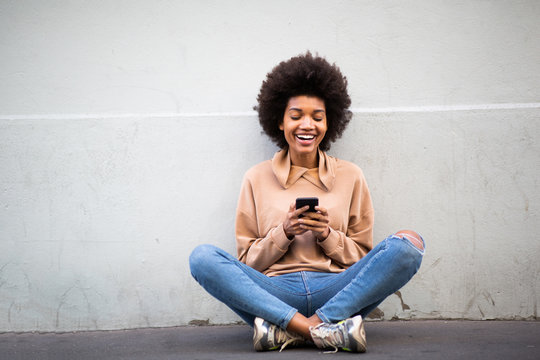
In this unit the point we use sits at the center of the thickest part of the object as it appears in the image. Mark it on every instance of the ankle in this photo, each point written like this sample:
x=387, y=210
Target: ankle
x=299, y=324
x=314, y=320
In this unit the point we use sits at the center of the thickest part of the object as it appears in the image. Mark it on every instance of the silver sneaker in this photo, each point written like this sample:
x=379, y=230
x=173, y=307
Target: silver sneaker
x=267, y=336
x=347, y=335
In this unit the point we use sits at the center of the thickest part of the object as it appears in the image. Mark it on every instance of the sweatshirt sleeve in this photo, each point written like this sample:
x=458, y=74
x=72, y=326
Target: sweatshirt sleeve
x=346, y=248
x=256, y=250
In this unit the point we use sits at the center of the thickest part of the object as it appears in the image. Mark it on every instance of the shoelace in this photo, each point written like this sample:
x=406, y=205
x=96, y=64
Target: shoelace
x=288, y=338
x=330, y=336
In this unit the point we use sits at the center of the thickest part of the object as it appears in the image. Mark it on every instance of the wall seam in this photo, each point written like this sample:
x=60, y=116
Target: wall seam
x=405, y=109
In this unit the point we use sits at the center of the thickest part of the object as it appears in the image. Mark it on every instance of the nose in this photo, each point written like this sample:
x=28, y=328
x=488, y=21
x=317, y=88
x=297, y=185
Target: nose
x=307, y=122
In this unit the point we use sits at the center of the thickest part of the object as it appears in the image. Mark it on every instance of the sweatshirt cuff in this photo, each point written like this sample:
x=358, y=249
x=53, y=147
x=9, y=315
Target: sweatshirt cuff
x=280, y=239
x=331, y=243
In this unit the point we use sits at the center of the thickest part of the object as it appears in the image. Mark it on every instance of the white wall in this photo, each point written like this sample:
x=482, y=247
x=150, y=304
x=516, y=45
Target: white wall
x=126, y=126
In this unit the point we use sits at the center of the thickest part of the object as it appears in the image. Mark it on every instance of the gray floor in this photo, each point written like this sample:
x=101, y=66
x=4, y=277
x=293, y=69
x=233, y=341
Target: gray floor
x=386, y=340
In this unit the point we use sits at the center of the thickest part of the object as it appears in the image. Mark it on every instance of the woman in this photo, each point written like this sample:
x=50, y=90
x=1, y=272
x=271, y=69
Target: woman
x=304, y=276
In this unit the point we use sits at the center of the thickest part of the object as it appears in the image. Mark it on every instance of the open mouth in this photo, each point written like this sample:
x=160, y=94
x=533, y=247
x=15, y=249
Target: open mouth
x=303, y=137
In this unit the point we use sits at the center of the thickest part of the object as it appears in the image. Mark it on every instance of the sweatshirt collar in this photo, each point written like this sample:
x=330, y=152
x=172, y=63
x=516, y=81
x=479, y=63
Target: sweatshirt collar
x=288, y=175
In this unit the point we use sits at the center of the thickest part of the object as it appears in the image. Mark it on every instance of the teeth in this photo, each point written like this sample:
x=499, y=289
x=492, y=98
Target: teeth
x=306, y=137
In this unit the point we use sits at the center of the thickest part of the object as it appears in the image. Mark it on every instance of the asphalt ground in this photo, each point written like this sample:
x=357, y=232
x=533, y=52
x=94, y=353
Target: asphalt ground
x=434, y=339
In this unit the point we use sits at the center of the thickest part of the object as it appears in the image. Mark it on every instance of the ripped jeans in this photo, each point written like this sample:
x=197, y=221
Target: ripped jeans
x=332, y=296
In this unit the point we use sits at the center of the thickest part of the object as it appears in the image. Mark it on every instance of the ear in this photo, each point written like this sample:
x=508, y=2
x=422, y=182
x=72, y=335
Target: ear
x=281, y=126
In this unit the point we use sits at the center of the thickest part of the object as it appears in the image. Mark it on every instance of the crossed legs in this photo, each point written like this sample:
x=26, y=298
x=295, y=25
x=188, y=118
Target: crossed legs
x=362, y=287
x=301, y=325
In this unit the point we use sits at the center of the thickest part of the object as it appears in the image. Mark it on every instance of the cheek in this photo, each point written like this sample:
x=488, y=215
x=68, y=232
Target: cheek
x=323, y=129
x=288, y=129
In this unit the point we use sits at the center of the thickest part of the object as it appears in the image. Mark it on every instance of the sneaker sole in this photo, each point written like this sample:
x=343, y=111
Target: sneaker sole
x=260, y=336
x=358, y=337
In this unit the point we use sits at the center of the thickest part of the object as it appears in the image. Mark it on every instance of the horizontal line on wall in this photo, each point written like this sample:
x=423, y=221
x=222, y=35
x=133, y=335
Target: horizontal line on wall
x=122, y=116
x=442, y=108
x=404, y=109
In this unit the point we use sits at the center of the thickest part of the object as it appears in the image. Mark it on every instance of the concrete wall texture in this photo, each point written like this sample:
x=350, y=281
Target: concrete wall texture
x=126, y=127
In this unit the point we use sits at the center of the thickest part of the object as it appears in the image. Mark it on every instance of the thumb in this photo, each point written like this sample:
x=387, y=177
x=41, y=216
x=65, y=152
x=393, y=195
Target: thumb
x=292, y=207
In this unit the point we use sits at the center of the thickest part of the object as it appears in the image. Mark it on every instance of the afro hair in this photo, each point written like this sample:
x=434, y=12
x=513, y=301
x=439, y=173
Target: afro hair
x=304, y=75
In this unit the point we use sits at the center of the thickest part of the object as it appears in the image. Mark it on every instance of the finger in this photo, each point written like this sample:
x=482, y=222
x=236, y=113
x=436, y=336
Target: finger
x=292, y=207
x=315, y=229
x=314, y=226
x=321, y=210
x=316, y=217
x=301, y=210
x=298, y=229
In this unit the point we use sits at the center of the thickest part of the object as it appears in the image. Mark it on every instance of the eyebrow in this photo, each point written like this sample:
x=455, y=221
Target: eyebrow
x=297, y=109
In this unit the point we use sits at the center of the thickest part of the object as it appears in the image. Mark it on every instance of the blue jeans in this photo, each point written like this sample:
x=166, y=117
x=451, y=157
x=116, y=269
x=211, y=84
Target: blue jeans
x=332, y=296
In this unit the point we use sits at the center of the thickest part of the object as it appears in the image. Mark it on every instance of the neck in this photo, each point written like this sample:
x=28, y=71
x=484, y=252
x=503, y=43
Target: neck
x=309, y=161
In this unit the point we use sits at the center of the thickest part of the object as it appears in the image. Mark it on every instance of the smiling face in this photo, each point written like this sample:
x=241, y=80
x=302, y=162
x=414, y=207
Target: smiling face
x=304, y=126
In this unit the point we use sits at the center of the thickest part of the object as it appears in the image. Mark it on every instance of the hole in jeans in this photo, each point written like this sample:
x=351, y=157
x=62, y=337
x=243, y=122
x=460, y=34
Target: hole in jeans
x=412, y=236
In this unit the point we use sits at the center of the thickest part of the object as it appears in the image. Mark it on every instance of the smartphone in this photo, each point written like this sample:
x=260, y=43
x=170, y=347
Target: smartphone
x=311, y=201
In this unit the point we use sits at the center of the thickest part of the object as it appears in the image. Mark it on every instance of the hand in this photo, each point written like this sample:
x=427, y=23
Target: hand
x=292, y=223
x=317, y=222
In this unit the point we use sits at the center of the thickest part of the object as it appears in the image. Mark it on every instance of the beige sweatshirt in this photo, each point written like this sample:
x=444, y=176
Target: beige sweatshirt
x=267, y=191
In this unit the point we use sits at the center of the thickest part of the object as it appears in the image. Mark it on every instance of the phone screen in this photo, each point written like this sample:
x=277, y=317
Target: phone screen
x=311, y=201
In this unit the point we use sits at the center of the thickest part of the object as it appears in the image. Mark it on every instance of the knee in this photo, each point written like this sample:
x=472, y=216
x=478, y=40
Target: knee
x=200, y=257
x=413, y=237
